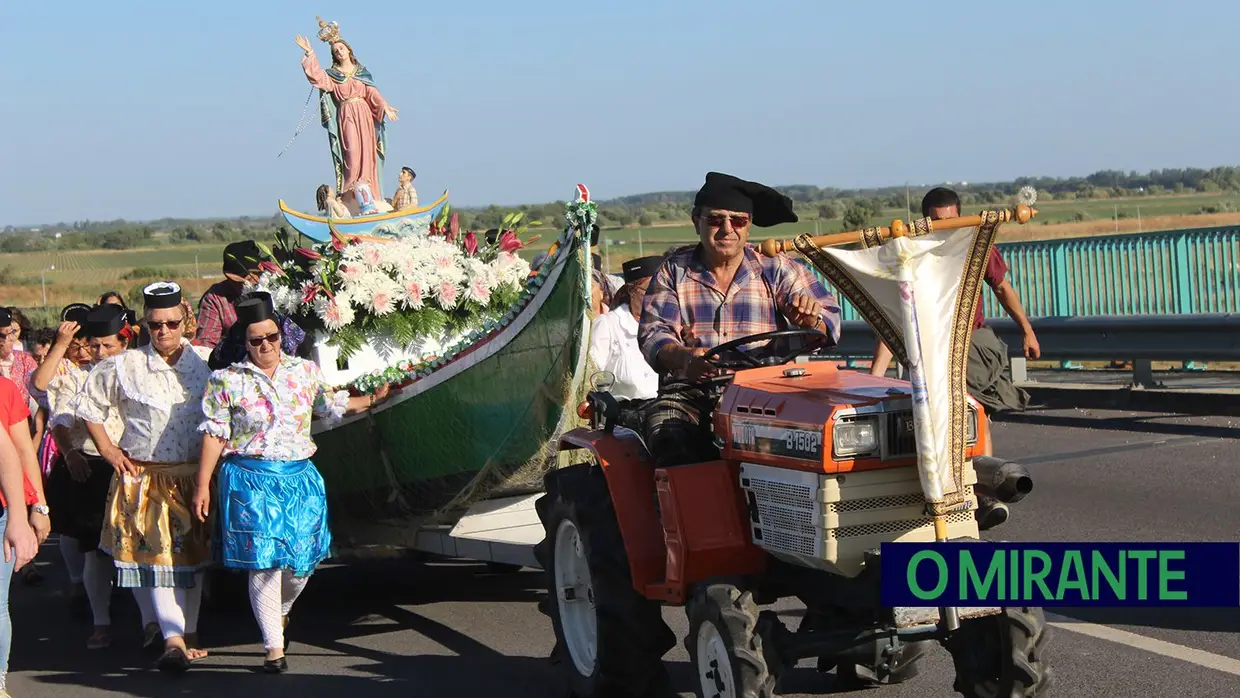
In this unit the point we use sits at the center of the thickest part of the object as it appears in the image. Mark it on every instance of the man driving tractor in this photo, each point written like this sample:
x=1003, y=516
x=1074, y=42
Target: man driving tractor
x=718, y=291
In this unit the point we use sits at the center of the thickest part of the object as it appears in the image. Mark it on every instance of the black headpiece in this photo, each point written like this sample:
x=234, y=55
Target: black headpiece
x=74, y=312
x=6, y=318
x=767, y=206
x=161, y=294
x=242, y=258
x=105, y=320
x=253, y=307
x=640, y=268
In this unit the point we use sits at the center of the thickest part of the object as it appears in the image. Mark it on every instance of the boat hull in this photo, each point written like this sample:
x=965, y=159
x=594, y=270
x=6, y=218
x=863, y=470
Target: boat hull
x=485, y=423
x=318, y=228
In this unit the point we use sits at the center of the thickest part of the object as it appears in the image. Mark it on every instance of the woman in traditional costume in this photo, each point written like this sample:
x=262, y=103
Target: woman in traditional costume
x=158, y=546
x=353, y=111
x=270, y=498
x=68, y=355
x=83, y=479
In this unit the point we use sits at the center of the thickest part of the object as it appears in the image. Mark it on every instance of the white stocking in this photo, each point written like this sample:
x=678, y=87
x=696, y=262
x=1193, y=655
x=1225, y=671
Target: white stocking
x=267, y=605
x=97, y=574
x=169, y=613
x=290, y=588
x=146, y=606
x=71, y=552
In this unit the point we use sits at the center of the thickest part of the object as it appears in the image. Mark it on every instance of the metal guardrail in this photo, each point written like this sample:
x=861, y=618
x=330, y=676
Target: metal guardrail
x=1177, y=272
x=1137, y=338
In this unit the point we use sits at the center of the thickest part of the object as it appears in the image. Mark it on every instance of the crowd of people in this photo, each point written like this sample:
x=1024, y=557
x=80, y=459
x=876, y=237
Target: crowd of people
x=159, y=445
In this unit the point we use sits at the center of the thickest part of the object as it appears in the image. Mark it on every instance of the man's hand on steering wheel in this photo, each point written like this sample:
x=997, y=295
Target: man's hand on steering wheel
x=698, y=369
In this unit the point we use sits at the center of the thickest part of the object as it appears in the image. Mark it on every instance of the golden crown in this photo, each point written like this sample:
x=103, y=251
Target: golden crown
x=329, y=32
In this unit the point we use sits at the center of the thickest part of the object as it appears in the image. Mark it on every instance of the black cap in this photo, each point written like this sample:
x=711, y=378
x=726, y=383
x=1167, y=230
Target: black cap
x=767, y=206
x=6, y=318
x=242, y=258
x=253, y=307
x=640, y=268
x=105, y=320
x=75, y=312
x=161, y=294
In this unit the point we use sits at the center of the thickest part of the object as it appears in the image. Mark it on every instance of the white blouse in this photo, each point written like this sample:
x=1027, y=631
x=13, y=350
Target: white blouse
x=160, y=405
x=614, y=348
x=64, y=393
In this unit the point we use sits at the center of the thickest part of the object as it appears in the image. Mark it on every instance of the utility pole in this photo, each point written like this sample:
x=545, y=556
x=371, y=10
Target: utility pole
x=640, y=252
x=908, y=202
x=43, y=283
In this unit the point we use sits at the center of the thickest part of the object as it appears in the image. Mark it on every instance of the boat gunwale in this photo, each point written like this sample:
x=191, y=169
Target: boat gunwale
x=365, y=220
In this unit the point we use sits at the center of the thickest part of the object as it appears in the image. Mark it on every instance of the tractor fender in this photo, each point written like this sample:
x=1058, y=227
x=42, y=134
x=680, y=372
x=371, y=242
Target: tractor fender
x=629, y=471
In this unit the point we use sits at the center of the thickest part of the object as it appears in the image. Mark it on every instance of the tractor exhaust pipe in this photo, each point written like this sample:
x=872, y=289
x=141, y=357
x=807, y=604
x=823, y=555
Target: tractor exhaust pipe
x=1006, y=481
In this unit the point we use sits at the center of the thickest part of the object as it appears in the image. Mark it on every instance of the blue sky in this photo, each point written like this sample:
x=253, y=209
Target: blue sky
x=141, y=110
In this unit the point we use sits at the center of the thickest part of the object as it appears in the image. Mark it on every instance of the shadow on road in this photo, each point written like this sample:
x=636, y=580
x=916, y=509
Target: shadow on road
x=330, y=619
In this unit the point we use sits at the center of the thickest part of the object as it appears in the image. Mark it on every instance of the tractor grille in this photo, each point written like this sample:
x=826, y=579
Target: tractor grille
x=901, y=500
x=782, y=511
x=894, y=527
x=901, y=440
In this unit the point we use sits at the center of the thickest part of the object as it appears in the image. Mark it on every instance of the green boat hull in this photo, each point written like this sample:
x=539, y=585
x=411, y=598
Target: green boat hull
x=483, y=425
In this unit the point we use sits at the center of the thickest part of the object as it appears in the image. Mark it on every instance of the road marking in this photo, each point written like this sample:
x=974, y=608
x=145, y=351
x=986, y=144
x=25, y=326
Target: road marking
x=1167, y=649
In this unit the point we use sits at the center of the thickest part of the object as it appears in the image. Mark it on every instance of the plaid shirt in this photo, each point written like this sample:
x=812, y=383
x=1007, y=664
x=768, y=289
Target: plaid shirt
x=683, y=298
x=216, y=313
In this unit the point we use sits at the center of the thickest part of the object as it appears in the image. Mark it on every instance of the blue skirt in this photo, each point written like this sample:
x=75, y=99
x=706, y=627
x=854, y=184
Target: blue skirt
x=272, y=514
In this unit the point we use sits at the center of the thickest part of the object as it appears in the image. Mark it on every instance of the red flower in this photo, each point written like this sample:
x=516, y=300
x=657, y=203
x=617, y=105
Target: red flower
x=471, y=243
x=308, y=253
x=311, y=291
x=454, y=226
x=337, y=241
x=434, y=229
x=508, y=242
x=270, y=266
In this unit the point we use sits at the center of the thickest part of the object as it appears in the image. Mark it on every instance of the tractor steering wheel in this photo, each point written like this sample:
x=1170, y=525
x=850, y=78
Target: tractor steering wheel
x=741, y=360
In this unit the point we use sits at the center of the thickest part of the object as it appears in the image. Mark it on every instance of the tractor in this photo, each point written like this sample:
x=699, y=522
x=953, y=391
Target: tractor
x=817, y=468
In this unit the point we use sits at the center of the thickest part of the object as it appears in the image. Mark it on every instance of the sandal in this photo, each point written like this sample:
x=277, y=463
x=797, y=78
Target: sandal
x=175, y=660
x=193, y=650
x=102, y=639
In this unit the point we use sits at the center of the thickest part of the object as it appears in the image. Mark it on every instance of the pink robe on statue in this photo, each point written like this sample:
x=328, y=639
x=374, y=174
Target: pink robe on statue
x=358, y=108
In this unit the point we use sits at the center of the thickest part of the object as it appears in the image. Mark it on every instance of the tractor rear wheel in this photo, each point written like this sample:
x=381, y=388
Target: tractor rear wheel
x=724, y=645
x=1002, y=655
x=610, y=639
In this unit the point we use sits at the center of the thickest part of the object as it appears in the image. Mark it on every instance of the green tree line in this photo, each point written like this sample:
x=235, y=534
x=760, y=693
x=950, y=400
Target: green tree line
x=852, y=207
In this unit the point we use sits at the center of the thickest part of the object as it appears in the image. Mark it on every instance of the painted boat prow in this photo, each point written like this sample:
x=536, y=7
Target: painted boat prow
x=318, y=228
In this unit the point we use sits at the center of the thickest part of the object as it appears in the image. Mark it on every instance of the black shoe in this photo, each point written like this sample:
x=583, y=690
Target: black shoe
x=275, y=666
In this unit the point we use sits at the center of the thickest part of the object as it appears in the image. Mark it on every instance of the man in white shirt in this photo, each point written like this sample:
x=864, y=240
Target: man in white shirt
x=613, y=339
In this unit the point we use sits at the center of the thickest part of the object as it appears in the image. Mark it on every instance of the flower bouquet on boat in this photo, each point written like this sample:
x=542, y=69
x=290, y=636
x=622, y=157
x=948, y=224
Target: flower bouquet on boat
x=382, y=308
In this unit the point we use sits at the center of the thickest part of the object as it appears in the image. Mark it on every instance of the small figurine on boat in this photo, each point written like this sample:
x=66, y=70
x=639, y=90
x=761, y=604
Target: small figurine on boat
x=353, y=112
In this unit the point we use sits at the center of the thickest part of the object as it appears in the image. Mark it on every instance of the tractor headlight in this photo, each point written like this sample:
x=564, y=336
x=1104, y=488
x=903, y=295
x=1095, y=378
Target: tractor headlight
x=971, y=434
x=854, y=436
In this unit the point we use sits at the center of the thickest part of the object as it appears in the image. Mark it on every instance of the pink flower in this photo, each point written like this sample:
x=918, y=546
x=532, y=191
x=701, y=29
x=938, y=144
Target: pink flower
x=308, y=253
x=337, y=241
x=351, y=272
x=447, y=292
x=414, y=290
x=480, y=292
x=471, y=242
x=454, y=227
x=332, y=313
x=308, y=292
x=371, y=257
x=272, y=267
x=508, y=242
x=382, y=303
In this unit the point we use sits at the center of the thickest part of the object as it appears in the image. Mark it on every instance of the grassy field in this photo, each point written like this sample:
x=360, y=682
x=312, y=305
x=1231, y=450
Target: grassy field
x=82, y=276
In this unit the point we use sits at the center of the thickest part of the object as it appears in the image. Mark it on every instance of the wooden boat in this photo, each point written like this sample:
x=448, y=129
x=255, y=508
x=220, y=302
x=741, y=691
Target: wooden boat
x=318, y=228
x=481, y=422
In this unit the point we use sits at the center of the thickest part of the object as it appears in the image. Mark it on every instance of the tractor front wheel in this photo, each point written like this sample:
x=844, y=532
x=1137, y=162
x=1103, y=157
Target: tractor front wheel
x=1002, y=655
x=610, y=639
x=725, y=647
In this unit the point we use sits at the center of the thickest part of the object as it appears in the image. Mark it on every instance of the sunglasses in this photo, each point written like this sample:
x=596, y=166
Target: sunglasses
x=274, y=337
x=716, y=220
x=170, y=324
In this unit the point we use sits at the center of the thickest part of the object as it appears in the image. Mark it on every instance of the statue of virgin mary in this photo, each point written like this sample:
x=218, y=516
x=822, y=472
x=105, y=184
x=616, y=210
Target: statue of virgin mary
x=353, y=112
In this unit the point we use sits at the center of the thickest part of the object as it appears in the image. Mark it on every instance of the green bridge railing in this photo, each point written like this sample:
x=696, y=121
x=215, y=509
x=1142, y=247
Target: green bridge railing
x=1164, y=273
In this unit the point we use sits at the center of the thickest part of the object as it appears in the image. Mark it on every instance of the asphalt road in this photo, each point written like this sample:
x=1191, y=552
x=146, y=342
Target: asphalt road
x=449, y=630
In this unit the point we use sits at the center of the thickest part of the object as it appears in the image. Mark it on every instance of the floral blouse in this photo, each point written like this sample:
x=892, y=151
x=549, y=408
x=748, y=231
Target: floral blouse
x=159, y=405
x=19, y=367
x=63, y=395
x=270, y=418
